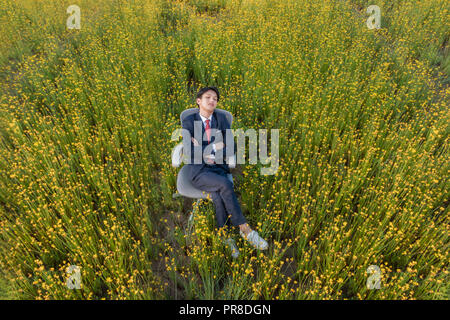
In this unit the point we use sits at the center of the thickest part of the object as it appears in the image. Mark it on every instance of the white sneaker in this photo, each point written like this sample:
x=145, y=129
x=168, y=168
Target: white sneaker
x=255, y=240
x=232, y=245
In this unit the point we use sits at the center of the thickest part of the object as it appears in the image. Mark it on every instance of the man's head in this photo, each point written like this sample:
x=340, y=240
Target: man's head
x=207, y=99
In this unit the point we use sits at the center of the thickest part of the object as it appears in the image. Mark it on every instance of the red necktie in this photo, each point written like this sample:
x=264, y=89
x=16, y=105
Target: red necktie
x=208, y=133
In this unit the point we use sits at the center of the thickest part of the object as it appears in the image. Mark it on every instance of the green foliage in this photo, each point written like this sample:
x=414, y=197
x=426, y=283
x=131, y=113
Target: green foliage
x=86, y=118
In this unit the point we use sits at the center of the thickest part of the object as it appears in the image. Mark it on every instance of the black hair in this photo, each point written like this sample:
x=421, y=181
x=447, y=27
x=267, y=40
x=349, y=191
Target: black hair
x=203, y=90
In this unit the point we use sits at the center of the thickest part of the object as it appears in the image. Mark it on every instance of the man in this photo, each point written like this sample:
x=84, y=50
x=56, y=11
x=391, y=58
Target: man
x=210, y=176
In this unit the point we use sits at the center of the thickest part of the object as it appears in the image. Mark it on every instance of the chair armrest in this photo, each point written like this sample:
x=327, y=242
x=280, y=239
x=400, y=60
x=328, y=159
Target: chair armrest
x=177, y=155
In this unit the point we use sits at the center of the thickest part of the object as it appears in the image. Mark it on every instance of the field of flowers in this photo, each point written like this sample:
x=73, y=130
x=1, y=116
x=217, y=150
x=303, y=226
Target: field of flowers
x=86, y=117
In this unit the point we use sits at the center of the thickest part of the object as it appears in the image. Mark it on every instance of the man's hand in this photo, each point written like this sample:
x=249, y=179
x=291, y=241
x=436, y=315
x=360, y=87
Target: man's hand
x=210, y=158
x=219, y=145
x=195, y=142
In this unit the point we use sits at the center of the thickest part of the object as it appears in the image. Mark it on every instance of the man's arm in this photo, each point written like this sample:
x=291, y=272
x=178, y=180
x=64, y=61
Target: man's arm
x=227, y=142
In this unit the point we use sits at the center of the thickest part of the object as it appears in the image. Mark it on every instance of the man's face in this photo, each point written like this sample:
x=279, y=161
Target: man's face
x=208, y=102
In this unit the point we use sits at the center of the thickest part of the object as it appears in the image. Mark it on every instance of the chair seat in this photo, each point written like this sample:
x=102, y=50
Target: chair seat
x=185, y=187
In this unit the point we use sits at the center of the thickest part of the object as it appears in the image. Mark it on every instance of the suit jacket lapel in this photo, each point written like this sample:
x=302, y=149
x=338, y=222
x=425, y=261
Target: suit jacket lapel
x=215, y=121
x=215, y=124
x=197, y=118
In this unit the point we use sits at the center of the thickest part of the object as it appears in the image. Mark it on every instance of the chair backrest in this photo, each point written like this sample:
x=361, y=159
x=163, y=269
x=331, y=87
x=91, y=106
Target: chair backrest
x=190, y=111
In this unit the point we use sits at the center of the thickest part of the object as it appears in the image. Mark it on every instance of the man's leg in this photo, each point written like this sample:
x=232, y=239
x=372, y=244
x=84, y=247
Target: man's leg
x=221, y=212
x=211, y=181
x=224, y=219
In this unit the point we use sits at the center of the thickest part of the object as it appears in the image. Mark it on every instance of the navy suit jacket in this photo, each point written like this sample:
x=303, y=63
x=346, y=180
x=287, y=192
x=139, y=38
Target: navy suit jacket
x=219, y=122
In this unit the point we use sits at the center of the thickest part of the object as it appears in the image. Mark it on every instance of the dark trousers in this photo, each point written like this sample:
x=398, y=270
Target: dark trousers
x=213, y=179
